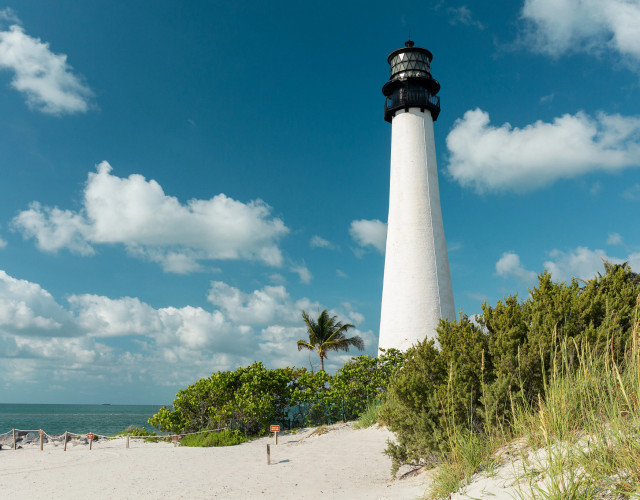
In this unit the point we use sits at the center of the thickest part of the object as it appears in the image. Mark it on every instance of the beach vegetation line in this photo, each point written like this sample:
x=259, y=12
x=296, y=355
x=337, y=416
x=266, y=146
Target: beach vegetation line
x=552, y=380
x=253, y=397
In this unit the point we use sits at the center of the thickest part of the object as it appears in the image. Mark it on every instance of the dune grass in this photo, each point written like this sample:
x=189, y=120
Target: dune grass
x=579, y=439
x=369, y=417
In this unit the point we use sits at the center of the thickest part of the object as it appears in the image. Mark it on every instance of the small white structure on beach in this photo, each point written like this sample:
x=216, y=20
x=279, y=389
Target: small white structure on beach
x=417, y=289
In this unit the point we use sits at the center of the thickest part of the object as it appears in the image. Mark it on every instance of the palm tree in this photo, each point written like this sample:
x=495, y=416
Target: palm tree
x=328, y=334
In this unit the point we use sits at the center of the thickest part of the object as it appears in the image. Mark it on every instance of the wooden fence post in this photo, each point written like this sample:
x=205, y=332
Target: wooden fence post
x=14, y=440
x=127, y=442
x=268, y=455
x=41, y=439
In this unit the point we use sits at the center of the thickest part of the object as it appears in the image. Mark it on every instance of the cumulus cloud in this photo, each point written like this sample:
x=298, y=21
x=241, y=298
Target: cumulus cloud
x=584, y=263
x=94, y=337
x=136, y=212
x=492, y=158
x=509, y=266
x=269, y=305
x=3, y=243
x=303, y=273
x=45, y=78
x=581, y=262
x=28, y=310
x=369, y=233
x=558, y=26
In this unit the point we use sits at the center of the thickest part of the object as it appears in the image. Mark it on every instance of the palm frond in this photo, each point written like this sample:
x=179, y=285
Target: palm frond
x=328, y=334
x=304, y=345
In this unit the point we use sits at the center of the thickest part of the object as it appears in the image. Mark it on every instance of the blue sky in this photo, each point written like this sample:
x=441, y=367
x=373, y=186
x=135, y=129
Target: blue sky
x=180, y=180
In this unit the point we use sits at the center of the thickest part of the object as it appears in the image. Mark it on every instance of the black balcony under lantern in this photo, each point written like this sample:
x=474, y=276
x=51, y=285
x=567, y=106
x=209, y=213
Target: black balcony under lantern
x=411, y=84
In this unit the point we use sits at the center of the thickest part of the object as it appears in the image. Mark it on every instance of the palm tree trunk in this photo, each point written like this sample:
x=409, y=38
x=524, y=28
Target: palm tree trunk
x=321, y=362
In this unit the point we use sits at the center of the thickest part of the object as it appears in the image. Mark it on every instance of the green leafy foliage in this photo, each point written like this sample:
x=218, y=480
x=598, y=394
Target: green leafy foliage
x=250, y=395
x=221, y=438
x=134, y=431
x=253, y=397
x=250, y=398
x=482, y=369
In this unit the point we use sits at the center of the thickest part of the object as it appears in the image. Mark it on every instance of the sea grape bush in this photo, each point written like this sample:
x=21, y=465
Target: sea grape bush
x=504, y=355
x=249, y=395
x=252, y=397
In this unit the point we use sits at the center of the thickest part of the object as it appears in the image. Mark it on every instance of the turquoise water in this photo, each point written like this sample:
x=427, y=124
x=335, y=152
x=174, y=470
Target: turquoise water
x=55, y=419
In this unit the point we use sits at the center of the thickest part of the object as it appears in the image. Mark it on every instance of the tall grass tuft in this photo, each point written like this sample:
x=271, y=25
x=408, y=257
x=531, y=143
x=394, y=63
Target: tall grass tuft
x=369, y=417
x=579, y=439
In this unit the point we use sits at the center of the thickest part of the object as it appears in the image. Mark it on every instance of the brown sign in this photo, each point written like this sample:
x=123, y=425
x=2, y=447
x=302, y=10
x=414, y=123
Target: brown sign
x=275, y=428
x=90, y=436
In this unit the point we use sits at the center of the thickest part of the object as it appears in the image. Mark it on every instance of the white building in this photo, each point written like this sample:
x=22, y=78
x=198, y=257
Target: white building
x=417, y=288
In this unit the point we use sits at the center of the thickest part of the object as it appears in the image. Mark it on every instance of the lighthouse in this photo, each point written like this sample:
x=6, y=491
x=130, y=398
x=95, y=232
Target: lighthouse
x=417, y=290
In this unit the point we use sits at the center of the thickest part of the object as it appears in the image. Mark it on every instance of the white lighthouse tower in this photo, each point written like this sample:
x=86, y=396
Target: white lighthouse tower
x=417, y=288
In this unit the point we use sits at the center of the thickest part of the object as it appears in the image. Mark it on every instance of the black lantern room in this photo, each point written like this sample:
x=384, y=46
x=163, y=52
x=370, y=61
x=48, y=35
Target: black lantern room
x=411, y=84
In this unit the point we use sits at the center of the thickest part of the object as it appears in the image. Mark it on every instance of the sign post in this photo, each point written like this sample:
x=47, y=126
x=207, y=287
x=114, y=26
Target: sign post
x=275, y=429
x=90, y=438
x=176, y=440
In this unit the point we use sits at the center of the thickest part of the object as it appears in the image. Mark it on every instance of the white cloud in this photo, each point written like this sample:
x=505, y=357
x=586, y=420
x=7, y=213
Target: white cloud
x=45, y=78
x=584, y=263
x=28, y=310
x=341, y=274
x=509, y=266
x=123, y=340
x=491, y=158
x=3, y=243
x=614, y=239
x=303, y=273
x=368, y=233
x=558, y=26
x=462, y=15
x=319, y=242
x=136, y=212
x=54, y=228
x=270, y=305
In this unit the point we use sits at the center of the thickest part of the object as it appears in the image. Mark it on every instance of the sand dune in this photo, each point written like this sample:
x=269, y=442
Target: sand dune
x=343, y=463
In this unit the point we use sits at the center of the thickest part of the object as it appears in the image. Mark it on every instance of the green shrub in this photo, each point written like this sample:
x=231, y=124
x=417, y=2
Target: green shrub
x=221, y=438
x=134, y=431
x=251, y=395
x=467, y=391
x=250, y=398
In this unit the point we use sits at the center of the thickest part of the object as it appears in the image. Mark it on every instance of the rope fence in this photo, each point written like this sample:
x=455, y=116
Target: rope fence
x=19, y=435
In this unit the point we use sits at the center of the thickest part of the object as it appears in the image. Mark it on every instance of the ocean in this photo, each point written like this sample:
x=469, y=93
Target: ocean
x=55, y=419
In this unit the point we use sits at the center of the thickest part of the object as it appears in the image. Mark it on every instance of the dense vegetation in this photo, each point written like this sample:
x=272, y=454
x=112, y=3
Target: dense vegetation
x=224, y=437
x=250, y=398
x=564, y=357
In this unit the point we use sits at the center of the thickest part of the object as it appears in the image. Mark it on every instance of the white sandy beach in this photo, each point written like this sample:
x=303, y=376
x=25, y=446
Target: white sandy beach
x=343, y=463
